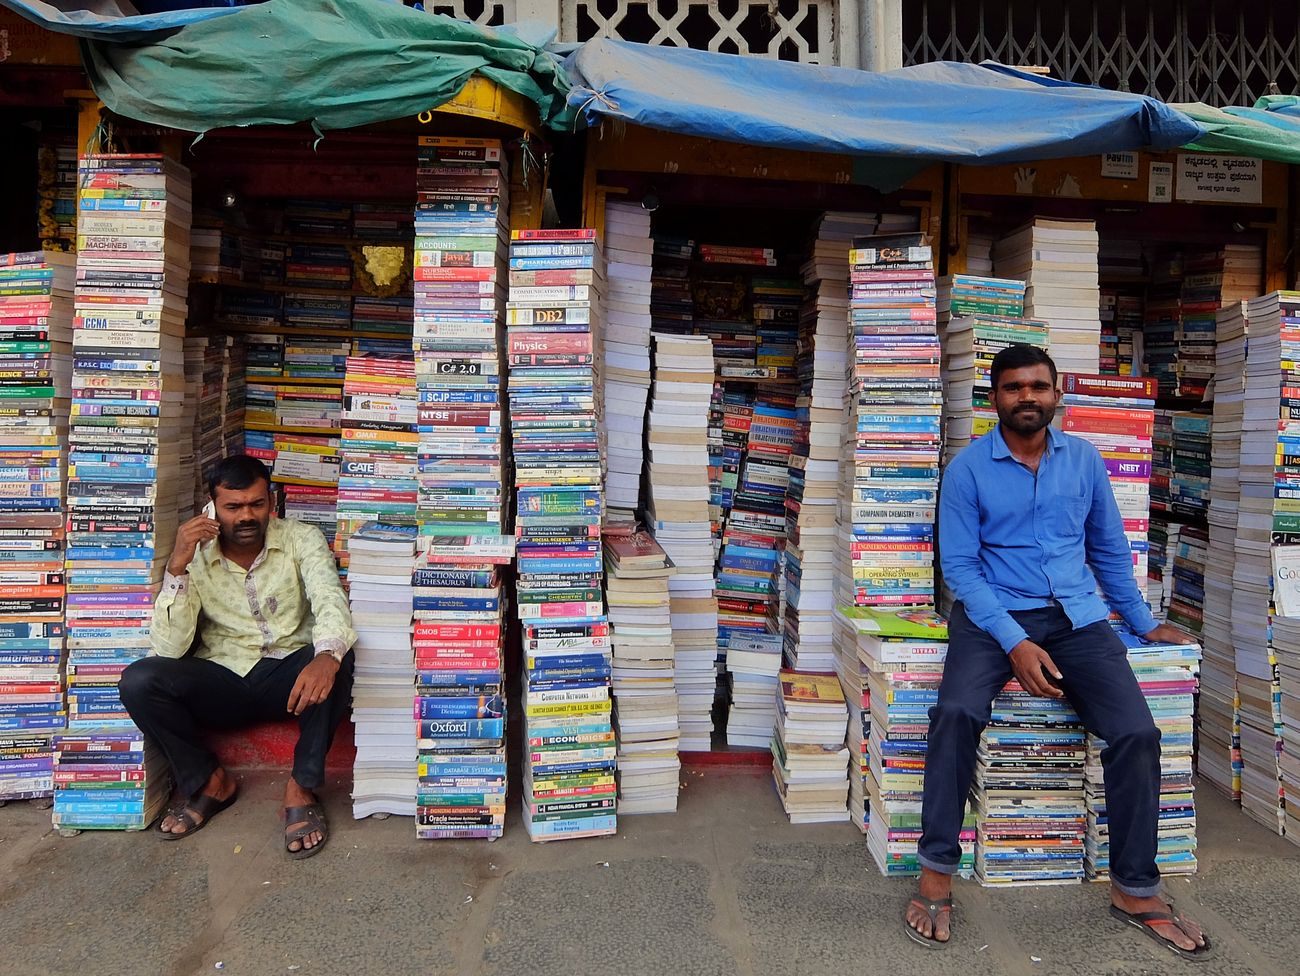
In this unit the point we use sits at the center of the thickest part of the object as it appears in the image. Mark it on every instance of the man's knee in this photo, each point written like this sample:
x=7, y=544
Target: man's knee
x=141, y=679
x=1142, y=738
x=957, y=714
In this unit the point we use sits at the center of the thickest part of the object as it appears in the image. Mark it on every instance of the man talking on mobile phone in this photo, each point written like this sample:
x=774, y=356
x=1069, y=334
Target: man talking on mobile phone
x=274, y=631
x=1028, y=528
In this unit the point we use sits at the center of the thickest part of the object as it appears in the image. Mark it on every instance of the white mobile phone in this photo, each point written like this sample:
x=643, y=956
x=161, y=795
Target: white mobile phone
x=210, y=509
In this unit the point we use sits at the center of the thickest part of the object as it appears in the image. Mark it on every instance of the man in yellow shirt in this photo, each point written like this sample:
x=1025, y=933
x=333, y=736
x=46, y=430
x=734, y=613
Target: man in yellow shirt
x=274, y=637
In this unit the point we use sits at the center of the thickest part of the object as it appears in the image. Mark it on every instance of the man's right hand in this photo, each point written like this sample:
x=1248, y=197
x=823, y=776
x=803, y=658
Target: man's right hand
x=188, y=536
x=1029, y=661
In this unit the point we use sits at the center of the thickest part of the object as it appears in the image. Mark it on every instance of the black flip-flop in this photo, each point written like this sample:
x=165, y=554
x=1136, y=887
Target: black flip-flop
x=1145, y=920
x=312, y=818
x=203, y=806
x=931, y=908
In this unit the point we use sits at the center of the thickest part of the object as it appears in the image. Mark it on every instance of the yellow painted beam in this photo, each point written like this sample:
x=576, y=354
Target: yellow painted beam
x=482, y=98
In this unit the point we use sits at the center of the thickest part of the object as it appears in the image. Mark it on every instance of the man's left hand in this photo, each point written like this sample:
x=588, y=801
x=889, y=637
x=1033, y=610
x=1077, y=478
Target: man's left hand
x=1169, y=634
x=314, y=684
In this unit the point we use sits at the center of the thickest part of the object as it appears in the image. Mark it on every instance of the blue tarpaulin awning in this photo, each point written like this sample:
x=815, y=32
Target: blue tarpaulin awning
x=119, y=20
x=943, y=111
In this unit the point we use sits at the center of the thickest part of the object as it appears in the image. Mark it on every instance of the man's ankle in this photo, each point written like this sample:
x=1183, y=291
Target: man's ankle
x=935, y=884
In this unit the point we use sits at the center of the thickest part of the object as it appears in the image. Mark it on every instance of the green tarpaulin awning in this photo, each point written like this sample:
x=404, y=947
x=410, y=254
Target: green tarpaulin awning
x=1262, y=131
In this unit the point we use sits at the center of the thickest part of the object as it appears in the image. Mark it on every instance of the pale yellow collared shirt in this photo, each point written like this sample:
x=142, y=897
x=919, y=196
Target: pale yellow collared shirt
x=289, y=598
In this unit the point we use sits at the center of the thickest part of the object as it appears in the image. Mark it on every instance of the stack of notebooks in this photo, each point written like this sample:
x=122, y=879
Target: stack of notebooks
x=903, y=653
x=380, y=560
x=809, y=758
x=812, y=498
x=1030, y=817
x=890, y=475
x=1167, y=675
x=379, y=448
x=679, y=518
x=1218, y=685
x=970, y=343
x=637, y=576
x=555, y=414
x=459, y=270
x=1189, y=480
x=127, y=388
x=1117, y=416
x=1269, y=515
x=1057, y=261
x=35, y=369
x=629, y=252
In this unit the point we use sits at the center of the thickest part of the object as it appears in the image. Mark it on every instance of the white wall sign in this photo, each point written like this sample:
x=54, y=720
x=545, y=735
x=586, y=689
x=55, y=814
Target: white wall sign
x=1119, y=165
x=1160, y=183
x=1229, y=179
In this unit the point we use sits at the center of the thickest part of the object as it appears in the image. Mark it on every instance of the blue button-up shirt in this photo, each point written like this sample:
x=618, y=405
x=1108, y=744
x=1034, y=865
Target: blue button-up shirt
x=1010, y=539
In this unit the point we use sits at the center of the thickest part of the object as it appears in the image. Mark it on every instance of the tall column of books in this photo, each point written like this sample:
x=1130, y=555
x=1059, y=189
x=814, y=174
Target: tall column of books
x=630, y=253
x=36, y=295
x=458, y=604
x=1057, y=261
x=377, y=507
x=1216, y=709
x=812, y=498
x=678, y=515
x=888, y=492
x=1268, y=516
x=555, y=416
x=1286, y=648
x=124, y=473
x=637, y=574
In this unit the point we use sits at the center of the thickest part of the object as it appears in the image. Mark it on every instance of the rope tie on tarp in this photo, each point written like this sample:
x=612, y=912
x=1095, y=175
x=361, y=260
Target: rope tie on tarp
x=606, y=103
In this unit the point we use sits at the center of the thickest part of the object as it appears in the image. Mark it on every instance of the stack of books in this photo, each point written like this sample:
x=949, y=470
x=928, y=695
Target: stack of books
x=380, y=561
x=1160, y=321
x=629, y=252
x=36, y=290
x=459, y=296
x=970, y=343
x=809, y=758
x=132, y=275
x=890, y=473
x=1187, y=595
x=637, y=577
x=672, y=306
x=753, y=662
x=812, y=498
x=190, y=497
x=1121, y=333
x=1269, y=516
x=679, y=517
x=1162, y=459
x=56, y=160
x=1286, y=649
x=387, y=315
x=379, y=450
x=1030, y=817
x=968, y=295
x=776, y=306
x=459, y=641
x=1117, y=416
x=1189, y=480
x=322, y=359
x=903, y=653
x=1218, y=684
x=555, y=415
x=327, y=266
x=1162, y=540
x=1211, y=279
x=1167, y=675
x=317, y=218
x=381, y=222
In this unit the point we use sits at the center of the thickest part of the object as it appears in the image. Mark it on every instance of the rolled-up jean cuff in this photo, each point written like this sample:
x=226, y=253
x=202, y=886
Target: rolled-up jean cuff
x=936, y=866
x=1135, y=891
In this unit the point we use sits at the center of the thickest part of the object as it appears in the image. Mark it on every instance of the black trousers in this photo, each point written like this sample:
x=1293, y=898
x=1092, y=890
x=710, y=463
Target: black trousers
x=1099, y=683
x=173, y=699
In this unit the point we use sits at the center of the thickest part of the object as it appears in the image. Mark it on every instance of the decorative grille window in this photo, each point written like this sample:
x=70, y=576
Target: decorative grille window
x=789, y=30
x=489, y=13
x=1224, y=52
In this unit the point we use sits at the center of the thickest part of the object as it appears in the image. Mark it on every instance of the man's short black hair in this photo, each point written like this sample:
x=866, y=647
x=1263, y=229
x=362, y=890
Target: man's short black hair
x=237, y=472
x=1017, y=357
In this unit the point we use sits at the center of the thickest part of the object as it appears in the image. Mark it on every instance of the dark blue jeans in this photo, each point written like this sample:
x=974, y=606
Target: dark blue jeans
x=1100, y=685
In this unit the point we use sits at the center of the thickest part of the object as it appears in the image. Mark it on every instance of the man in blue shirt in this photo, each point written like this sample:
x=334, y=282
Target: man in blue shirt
x=1028, y=528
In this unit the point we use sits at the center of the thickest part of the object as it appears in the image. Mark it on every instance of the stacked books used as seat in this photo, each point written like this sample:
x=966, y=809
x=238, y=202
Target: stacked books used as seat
x=1030, y=818
x=809, y=758
x=124, y=476
x=555, y=414
x=903, y=653
x=36, y=362
x=380, y=560
x=679, y=517
x=629, y=252
x=637, y=577
x=1167, y=675
x=460, y=607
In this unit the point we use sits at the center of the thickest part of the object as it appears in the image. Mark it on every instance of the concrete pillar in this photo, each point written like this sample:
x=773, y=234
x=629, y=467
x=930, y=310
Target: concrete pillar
x=880, y=34
x=544, y=11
